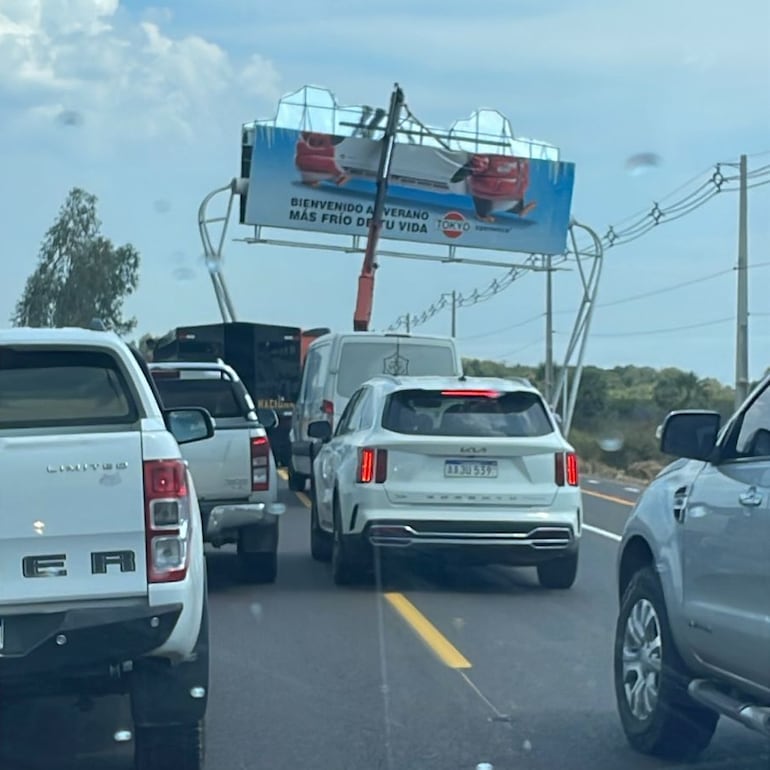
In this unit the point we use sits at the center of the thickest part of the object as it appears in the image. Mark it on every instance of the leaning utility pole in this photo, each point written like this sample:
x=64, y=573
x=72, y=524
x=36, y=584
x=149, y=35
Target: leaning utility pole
x=454, y=313
x=742, y=313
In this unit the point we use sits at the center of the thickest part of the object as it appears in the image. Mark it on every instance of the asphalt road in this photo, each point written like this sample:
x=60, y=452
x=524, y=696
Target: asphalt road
x=426, y=670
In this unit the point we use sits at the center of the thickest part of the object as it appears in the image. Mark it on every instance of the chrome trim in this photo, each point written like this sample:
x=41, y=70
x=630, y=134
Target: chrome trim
x=411, y=537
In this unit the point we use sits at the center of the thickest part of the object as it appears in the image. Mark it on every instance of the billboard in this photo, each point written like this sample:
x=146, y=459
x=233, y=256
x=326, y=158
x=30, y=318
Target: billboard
x=308, y=180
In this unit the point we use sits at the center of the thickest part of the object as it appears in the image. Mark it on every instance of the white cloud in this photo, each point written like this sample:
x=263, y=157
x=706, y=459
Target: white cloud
x=125, y=77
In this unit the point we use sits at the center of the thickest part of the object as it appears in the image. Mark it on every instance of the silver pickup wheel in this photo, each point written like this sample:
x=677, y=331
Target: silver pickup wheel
x=657, y=714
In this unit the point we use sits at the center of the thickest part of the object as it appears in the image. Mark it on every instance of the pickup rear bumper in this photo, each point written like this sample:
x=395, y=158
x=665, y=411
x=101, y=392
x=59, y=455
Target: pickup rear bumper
x=220, y=517
x=80, y=642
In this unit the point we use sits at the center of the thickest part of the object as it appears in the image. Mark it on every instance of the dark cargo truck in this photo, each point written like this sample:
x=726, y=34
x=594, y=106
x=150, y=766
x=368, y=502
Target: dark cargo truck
x=266, y=357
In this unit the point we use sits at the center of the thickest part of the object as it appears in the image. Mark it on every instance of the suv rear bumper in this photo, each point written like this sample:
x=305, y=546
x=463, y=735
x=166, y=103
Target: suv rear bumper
x=479, y=542
x=77, y=642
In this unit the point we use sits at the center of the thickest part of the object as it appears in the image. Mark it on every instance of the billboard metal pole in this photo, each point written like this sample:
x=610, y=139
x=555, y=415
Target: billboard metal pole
x=212, y=252
x=548, y=328
x=580, y=332
x=365, y=296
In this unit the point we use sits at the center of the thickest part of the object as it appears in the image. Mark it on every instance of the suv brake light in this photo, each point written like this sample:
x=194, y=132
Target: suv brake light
x=168, y=527
x=260, y=464
x=327, y=407
x=372, y=466
x=566, y=469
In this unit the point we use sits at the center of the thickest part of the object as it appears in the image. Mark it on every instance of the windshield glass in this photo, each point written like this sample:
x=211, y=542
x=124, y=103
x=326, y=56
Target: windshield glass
x=361, y=360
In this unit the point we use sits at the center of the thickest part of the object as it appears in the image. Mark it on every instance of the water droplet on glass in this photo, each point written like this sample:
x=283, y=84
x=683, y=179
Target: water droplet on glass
x=256, y=610
x=485, y=766
x=184, y=274
x=212, y=265
x=162, y=205
x=642, y=162
x=70, y=118
x=458, y=623
x=527, y=745
x=122, y=736
x=611, y=443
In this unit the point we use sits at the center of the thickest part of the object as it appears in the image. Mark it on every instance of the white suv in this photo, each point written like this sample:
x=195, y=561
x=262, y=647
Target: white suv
x=470, y=468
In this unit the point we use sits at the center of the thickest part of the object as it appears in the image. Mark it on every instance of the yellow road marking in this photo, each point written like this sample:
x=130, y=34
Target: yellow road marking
x=447, y=653
x=611, y=498
x=304, y=499
x=283, y=473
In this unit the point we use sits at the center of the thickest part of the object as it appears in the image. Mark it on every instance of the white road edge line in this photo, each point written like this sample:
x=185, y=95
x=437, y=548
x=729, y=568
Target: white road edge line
x=631, y=489
x=591, y=481
x=602, y=532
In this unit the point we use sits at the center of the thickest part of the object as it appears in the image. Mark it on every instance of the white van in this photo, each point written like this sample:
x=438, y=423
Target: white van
x=337, y=364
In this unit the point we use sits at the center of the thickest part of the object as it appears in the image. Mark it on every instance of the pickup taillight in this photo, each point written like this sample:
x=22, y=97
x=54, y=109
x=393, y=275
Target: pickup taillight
x=167, y=520
x=260, y=464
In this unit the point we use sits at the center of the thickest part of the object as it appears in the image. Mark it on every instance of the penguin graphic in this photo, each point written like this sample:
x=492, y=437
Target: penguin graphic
x=496, y=183
x=316, y=160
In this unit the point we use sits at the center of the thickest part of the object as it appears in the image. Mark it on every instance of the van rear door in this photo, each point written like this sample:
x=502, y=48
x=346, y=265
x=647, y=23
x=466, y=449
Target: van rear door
x=361, y=359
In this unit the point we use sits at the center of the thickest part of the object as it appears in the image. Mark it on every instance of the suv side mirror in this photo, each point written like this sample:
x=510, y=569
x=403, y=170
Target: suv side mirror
x=690, y=434
x=189, y=424
x=320, y=430
x=268, y=418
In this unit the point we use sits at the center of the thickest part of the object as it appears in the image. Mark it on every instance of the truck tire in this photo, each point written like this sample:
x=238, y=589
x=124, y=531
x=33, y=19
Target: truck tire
x=258, y=553
x=174, y=746
x=169, y=725
x=259, y=567
x=657, y=714
x=558, y=573
x=297, y=481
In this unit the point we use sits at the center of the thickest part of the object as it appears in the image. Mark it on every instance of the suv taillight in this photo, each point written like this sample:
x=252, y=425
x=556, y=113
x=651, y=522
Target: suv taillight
x=260, y=464
x=167, y=520
x=372, y=466
x=566, y=469
x=327, y=407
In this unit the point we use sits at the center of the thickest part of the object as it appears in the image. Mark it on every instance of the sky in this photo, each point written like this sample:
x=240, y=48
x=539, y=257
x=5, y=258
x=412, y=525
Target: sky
x=142, y=105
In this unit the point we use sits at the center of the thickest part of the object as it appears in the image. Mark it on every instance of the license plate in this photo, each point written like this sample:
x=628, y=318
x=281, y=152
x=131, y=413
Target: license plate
x=481, y=469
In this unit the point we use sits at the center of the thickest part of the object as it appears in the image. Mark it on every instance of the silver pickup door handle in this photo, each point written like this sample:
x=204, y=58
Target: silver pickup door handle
x=750, y=497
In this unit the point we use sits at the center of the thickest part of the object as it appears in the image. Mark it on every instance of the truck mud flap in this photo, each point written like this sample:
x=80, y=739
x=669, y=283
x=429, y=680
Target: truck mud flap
x=164, y=694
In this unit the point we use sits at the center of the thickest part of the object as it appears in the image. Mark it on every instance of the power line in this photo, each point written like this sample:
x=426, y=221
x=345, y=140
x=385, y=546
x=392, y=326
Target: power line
x=716, y=182
x=504, y=328
x=668, y=330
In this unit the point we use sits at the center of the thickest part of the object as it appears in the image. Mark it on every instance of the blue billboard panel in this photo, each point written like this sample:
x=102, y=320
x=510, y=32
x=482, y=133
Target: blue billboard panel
x=319, y=182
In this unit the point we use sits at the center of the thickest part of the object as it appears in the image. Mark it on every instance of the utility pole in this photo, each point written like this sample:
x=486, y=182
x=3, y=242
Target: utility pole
x=454, y=313
x=408, y=323
x=742, y=330
x=548, y=329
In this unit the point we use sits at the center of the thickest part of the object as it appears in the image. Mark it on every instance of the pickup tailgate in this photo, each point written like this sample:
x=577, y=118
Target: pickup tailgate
x=221, y=465
x=72, y=516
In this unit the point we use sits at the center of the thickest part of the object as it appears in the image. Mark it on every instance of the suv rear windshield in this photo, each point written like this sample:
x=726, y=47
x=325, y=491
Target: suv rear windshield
x=59, y=388
x=218, y=395
x=475, y=414
x=361, y=360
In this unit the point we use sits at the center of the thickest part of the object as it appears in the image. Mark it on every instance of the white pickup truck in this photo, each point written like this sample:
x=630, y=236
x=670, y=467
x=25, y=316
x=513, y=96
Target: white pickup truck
x=102, y=573
x=235, y=471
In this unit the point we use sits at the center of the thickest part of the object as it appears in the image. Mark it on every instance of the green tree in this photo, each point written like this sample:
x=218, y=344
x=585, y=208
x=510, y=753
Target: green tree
x=80, y=274
x=676, y=389
x=593, y=394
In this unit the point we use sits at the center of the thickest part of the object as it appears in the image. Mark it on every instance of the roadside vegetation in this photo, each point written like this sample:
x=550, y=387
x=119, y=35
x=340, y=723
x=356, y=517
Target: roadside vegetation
x=619, y=409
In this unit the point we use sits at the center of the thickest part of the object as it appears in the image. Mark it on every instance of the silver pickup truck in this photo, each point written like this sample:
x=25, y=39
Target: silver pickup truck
x=234, y=471
x=693, y=632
